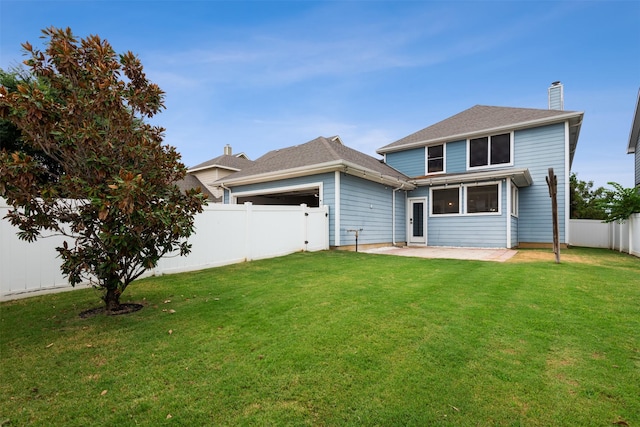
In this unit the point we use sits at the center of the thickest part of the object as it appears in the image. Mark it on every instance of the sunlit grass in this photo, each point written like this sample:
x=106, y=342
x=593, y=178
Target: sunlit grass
x=338, y=338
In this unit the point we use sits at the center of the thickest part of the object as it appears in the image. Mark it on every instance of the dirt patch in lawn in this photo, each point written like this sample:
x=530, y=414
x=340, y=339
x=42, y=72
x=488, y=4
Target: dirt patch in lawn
x=538, y=255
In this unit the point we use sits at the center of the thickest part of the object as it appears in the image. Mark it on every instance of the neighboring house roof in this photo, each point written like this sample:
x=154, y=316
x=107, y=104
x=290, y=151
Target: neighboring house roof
x=226, y=161
x=316, y=156
x=634, y=135
x=481, y=120
x=191, y=181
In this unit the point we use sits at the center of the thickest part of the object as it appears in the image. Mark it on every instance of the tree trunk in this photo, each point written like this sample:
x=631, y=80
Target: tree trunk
x=112, y=298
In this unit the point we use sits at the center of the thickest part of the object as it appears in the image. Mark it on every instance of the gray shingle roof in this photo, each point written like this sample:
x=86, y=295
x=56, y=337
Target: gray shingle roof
x=477, y=120
x=313, y=153
x=225, y=162
x=634, y=135
x=191, y=181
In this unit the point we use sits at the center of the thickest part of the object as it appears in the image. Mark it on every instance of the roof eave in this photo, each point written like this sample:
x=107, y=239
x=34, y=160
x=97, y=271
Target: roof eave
x=281, y=174
x=196, y=169
x=466, y=135
x=634, y=134
x=331, y=166
x=371, y=175
x=521, y=177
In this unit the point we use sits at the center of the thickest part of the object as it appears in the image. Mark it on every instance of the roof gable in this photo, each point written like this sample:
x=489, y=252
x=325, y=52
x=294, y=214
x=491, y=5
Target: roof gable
x=226, y=161
x=191, y=181
x=480, y=119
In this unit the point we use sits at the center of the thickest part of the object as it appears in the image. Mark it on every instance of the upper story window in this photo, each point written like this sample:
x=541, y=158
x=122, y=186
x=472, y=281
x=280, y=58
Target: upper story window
x=490, y=151
x=435, y=159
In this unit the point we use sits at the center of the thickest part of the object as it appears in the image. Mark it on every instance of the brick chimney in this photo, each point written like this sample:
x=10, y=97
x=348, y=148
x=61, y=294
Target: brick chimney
x=227, y=150
x=556, y=96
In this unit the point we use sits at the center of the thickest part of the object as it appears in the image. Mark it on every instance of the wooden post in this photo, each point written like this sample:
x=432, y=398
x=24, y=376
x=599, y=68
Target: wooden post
x=552, y=182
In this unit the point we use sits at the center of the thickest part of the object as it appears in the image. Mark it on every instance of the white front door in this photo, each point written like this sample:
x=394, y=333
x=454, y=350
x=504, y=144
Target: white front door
x=417, y=221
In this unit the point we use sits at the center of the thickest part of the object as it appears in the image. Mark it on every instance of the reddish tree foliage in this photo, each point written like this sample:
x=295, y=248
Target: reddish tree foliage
x=116, y=197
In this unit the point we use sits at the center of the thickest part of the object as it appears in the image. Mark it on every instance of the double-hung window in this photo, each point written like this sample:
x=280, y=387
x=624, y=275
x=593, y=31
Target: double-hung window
x=435, y=159
x=490, y=150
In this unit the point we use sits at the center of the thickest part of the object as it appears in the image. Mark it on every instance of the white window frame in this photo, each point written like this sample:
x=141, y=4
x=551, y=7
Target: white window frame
x=444, y=159
x=489, y=164
x=462, y=199
x=483, y=184
x=446, y=187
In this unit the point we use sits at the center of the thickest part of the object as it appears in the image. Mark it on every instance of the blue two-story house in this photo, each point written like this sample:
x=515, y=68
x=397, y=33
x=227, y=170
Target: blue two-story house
x=476, y=179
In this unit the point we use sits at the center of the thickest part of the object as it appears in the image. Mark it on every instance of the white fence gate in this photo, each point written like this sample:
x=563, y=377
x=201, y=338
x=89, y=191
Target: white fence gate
x=224, y=234
x=597, y=234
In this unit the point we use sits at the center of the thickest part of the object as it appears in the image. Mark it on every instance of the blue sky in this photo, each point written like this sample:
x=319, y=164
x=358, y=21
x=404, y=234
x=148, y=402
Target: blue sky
x=262, y=75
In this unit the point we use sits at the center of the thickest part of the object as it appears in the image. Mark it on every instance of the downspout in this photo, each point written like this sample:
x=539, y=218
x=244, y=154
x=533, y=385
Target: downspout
x=393, y=215
x=225, y=188
x=507, y=210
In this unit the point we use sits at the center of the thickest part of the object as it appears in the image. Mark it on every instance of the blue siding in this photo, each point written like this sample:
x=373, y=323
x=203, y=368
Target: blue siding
x=364, y=204
x=367, y=205
x=410, y=162
x=419, y=192
x=401, y=216
x=514, y=231
x=476, y=231
x=538, y=150
x=456, y=156
x=467, y=231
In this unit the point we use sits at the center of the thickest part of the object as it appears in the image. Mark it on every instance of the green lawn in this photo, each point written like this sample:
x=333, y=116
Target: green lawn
x=338, y=338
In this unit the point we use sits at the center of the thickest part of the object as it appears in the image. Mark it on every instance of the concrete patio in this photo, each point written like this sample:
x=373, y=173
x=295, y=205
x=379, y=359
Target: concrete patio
x=478, y=254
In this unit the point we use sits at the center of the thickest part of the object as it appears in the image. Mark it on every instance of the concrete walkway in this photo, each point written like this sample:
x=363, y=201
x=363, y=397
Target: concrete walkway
x=478, y=254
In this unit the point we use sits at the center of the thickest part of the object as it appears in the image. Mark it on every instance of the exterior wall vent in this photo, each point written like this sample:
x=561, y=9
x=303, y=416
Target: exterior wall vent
x=556, y=96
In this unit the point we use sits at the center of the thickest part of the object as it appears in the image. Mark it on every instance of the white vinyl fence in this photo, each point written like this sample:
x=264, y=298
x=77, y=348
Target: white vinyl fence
x=591, y=233
x=224, y=234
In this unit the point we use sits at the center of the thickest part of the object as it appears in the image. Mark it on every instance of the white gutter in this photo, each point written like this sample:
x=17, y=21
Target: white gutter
x=221, y=185
x=567, y=189
x=213, y=166
x=336, y=225
x=508, y=212
x=332, y=166
x=478, y=176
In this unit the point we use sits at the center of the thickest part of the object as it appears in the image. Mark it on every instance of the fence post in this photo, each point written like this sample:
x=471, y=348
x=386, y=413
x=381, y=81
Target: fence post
x=305, y=227
x=248, y=229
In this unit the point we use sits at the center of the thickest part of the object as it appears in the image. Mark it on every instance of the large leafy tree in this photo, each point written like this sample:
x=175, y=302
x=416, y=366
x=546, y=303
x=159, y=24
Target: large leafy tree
x=10, y=135
x=115, y=195
x=620, y=203
x=586, y=202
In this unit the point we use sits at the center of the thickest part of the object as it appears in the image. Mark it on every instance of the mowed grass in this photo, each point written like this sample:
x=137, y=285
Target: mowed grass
x=338, y=338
